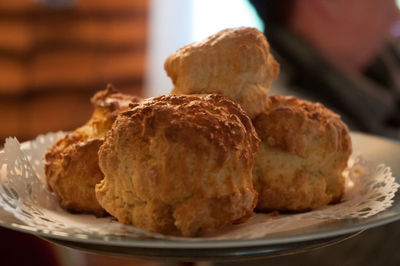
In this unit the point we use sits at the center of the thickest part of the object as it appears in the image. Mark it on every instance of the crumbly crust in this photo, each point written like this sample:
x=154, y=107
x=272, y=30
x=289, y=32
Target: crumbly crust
x=303, y=152
x=179, y=165
x=234, y=62
x=71, y=164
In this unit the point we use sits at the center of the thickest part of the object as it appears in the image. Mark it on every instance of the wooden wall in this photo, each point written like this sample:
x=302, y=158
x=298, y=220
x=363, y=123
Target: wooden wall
x=54, y=57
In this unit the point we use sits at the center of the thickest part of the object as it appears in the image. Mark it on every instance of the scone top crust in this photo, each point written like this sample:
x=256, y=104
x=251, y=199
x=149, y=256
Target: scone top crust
x=107, y=105
x=213, y=116
x=234, y=62
x=291, y=125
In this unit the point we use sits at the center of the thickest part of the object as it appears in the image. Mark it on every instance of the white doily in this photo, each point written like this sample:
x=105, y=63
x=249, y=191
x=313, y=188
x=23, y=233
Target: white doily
x=370, y=189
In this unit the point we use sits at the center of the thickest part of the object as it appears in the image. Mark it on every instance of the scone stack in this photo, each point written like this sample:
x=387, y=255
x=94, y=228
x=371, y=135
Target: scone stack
x=210, y=153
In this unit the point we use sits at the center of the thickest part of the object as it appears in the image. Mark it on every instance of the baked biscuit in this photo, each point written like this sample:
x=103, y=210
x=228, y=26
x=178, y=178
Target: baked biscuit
x=71, y=164
x=179, y=165
x=234, y=62
x=303, y=152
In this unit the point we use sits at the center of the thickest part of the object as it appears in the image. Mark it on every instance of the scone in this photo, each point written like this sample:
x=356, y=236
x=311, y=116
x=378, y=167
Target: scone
x=236, y=63
x=179, y=165
x=71, y=164
x=303, y=152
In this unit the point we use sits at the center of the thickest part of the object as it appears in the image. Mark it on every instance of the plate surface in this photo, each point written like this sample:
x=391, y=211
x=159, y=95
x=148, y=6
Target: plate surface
x=320, y=234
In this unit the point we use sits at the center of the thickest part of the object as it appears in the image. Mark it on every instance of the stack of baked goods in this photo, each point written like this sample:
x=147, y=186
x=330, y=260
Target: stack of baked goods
x=210, y=153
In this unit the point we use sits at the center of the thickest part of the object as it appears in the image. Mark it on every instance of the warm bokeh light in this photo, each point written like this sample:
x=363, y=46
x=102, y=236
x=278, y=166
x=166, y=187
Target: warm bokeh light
x=210, y=16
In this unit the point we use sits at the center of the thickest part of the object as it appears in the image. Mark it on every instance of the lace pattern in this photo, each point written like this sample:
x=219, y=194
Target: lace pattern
x=370, y=189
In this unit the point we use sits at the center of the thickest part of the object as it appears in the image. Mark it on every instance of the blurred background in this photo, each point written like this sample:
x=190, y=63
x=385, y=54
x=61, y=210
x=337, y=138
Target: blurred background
x=55, y=54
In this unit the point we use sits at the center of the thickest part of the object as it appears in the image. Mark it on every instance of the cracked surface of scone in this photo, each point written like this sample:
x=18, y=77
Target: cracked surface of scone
x=303, y=151
x=71, y=164
x=234, y=62
x=179, y=165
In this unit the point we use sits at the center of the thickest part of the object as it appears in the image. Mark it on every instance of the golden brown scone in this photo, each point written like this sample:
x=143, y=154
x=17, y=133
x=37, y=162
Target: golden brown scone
x=303, y=152
x=179, y=165
x=71, y=164
x=234, y=62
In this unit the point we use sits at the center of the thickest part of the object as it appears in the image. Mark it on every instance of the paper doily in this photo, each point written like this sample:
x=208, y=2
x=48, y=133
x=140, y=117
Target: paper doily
x=370, y=189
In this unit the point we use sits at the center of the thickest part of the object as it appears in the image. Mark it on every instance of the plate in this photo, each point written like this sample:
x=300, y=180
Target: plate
x=288, y=241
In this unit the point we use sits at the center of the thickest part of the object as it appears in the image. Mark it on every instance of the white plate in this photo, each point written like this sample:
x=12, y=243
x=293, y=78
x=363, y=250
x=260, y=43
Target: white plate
x=315, y=235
